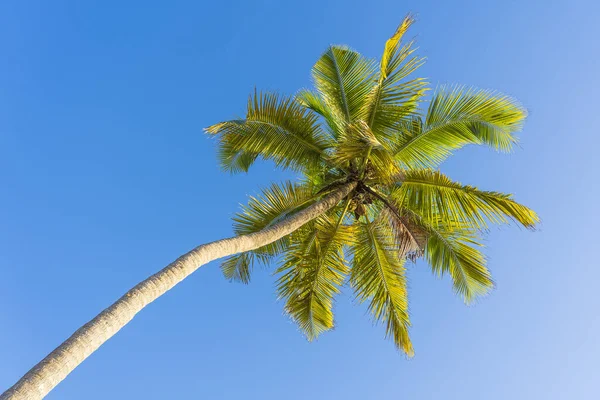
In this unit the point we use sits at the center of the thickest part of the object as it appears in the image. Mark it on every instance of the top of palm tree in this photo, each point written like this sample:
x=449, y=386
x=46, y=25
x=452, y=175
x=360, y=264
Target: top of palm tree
x=364, y=123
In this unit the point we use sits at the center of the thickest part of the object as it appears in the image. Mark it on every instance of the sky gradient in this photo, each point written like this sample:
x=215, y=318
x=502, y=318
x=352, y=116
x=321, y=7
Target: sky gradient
x=106, y=177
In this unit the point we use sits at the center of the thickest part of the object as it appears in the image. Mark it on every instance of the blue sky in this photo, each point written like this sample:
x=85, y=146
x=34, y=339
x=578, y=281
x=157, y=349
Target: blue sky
x=106, y=177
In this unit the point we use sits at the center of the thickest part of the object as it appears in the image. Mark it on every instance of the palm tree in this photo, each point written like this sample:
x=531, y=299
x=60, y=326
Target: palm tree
x=368, y=199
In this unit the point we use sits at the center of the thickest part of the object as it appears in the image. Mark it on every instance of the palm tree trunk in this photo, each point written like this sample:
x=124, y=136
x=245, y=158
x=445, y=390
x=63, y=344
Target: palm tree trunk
x=49, y=372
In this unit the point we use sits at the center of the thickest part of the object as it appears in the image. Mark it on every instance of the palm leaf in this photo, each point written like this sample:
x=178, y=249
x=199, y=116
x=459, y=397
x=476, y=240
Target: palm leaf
x=434, y=195
x=312, y=273
x=276, y=128
x=238, y=267
x=378, y=277
x=455, y=252
x=458, y=116
x=335, y=122
x=392, y=100
x=343, y=78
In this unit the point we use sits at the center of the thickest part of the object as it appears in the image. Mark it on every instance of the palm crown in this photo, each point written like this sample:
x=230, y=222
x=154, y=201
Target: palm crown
x=363, y=124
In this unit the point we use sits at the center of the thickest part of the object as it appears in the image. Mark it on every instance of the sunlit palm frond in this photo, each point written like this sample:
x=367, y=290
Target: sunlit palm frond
x=454, y=250
x=335, y=122
x=456, y=253
x=433, y=195
x=458, y=116
x=343, y=78
x=392, y=45
x=313, y=270
x=393, y=99
x=276, y=128
x=378, y=277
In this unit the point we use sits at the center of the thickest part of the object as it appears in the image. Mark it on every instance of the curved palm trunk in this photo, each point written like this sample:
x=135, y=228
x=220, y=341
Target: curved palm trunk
x=49, y=372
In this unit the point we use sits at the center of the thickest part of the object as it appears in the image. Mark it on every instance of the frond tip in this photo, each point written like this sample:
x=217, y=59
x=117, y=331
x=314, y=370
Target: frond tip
x=393, y=43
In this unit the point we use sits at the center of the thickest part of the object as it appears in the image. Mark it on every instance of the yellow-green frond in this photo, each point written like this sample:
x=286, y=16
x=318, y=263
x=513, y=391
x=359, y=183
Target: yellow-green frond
x=394, y=98
x=238, y=267
x=343, y=78
x=455, y=252
x=458, y=116
x=313, y=270
x=378, y=277
x=335, y=121
x=433, y=195
x=276, y=128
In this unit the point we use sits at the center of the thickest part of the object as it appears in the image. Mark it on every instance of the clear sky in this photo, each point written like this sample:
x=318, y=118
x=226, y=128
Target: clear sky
x=106, y=176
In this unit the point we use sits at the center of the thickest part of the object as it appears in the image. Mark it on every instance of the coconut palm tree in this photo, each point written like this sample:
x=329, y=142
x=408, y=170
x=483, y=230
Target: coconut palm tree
x=368, y=199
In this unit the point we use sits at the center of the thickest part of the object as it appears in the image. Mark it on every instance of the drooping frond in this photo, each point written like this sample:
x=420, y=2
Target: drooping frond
x=238, y=267
x=312, y=273
x=276, y=128
x=378, y=277
x=433, y=195
x=359, y=144
x=393, y=99
x=273, y=205
x=456, y=117
x=343, y=78
x=231, y=158
x=455, y=252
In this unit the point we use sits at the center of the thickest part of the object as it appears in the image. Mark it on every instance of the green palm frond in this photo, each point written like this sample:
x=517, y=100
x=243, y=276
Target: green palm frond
x=313, y=270
x=458, y=116
x=273, y=205
x=335, y=121
x=454, y=251
x=392, y=100
x=378, y=277
x=239, y=267
x=276, y=128
x=433, y=195
x=343, y=78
